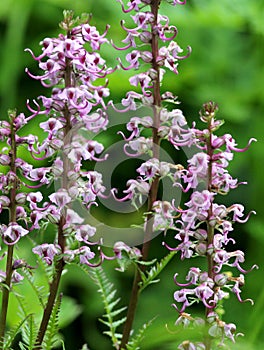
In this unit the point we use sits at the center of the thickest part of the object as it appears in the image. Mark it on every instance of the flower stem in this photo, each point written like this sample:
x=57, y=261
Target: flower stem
x=12, y=219
x=152, y=197
x=59, y=264
x=210, y=228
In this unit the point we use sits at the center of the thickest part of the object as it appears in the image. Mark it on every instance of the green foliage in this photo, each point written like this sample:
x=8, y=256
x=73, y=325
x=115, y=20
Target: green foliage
x=108, y=293
x=29, y=330
x=26, y=324
x=51, y=335
x=29, y=334
x=151, y=275
x=13, y=332
x=136, y=341
x=39, y=290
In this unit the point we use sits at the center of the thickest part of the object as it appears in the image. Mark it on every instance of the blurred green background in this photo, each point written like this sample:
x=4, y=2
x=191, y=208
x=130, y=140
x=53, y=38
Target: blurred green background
x=226, y=66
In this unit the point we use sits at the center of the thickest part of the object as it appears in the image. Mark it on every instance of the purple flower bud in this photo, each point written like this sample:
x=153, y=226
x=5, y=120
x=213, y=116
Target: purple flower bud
x=51, y=126
x=73, y=218
x=201, y=248
x=221, y=279
x=200, y=234
x=230, y=330
x=57, y=167
x=20, y=213
x=133, y=252
x=53, y=214
x=33, y=198
x=141, y=145
x=20, y=121
x=4, y=129
x=21, y=198
x=4, y=159
x=4, y=202
x=85, y=255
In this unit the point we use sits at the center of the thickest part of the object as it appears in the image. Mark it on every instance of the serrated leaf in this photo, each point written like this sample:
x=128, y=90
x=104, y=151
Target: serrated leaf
x=110, y=297
x=118, y=311
x=150, y=276
x=11, y=334
x=52, y=333
x=134, y=343
x=113, y=304
x=108, y=294
x=146, y=263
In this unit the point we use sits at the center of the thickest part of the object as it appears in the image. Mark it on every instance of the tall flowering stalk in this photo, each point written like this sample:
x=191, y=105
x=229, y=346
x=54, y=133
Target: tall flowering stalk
x=150, y=30
x=70, y=70
x=204, y=229
x=13, y=232
x=69, y=65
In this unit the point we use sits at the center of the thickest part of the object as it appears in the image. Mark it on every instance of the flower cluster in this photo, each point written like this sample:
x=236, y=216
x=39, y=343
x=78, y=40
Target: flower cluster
x=72, y=72
x=11, y=167
x=204, y=227
x=150, y=30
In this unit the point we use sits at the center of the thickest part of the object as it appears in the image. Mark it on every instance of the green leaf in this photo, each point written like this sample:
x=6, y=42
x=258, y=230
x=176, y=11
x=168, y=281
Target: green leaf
x=135, y=342
x=52, y=333
x=150, y=276
x=11, y=334
x=108, y=294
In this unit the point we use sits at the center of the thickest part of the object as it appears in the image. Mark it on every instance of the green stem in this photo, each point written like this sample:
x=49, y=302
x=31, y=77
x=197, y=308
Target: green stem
x=152, y=197
x=12, y=219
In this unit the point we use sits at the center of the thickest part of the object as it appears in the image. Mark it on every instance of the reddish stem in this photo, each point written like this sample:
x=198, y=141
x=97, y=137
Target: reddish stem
x=152, y=197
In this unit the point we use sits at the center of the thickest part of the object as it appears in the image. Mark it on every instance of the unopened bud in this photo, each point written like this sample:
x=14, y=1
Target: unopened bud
x=201, y=248
x=220, y=279
x=5, y=201
x=21, y=198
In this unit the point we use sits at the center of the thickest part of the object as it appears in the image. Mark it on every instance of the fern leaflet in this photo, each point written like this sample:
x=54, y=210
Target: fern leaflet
x=40, y=293
x=108, y=294
x=29, y=329
x=151, y=276
x=11, y=334
x=134, y=343
x=51, y=336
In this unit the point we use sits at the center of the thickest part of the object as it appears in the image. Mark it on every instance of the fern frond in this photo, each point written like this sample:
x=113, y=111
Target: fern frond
x=38, y=290
x=113, y=324
x=12, y=333
x=29, y=333
x=151, y=276
x=108, y=294
x=29, y=329
x=134, y=343
x=51, y=335
x=23, y=346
